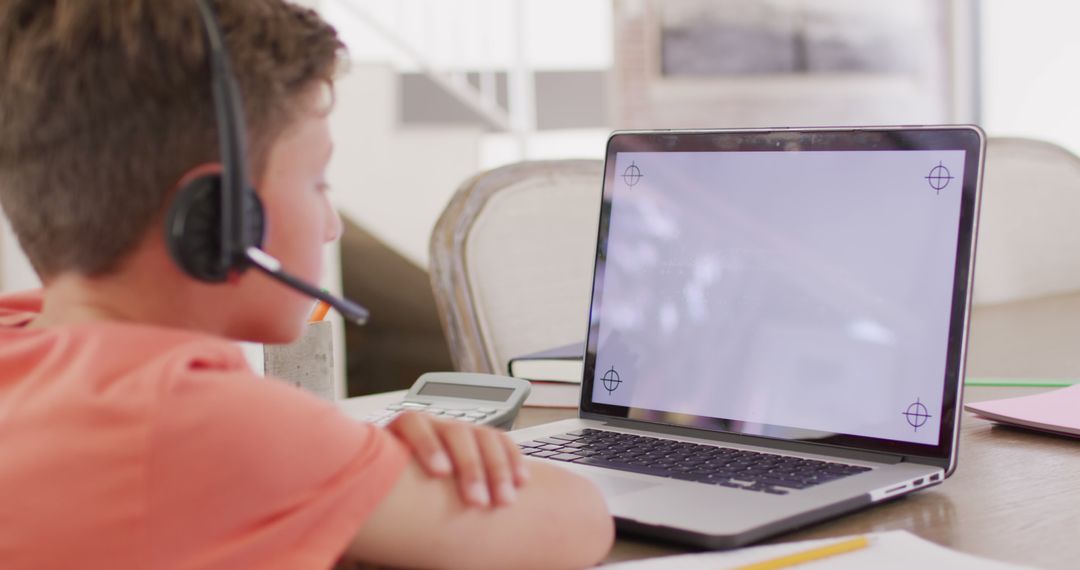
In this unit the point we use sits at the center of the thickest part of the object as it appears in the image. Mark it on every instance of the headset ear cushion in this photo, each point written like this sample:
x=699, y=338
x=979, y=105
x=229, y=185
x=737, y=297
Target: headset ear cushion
x=254, y=219
x=193, y=229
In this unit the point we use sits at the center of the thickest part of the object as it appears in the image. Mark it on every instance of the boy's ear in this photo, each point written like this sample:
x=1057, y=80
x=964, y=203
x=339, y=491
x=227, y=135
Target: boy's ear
x=193, y=225
x=197, y=172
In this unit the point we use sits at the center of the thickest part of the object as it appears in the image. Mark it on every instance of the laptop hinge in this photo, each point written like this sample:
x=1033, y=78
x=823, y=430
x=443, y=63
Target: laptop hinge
x=742, y=439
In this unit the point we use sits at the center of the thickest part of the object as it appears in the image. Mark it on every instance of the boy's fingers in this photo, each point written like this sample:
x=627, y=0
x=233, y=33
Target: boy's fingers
x=460, y=440
x=517, y=460
x=500, y=477
x=488, y=464
x=419, y=433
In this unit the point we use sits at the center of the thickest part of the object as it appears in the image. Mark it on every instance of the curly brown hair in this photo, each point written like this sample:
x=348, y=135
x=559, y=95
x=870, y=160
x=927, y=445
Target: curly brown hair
x=105, y=104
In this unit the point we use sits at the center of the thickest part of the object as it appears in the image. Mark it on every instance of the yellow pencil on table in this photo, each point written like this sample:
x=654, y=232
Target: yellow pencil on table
x=809, y=555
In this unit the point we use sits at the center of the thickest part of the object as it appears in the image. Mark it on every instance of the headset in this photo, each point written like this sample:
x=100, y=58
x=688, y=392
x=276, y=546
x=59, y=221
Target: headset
x=215, y=225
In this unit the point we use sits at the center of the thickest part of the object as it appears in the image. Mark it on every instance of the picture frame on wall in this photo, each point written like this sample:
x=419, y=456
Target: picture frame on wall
x=763, y=63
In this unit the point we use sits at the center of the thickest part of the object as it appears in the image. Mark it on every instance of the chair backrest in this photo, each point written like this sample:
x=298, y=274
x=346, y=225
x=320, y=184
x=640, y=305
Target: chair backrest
x=1029, y=245
x=512, y=259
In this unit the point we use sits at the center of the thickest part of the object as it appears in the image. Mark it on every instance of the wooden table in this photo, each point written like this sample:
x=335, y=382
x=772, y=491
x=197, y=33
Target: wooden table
x=1015, y=495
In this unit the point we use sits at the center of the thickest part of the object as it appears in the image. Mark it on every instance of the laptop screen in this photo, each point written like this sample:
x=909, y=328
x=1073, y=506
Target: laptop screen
x=797, y=285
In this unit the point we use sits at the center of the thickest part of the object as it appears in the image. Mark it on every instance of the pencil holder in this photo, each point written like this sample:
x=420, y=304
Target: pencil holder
x=307, y=362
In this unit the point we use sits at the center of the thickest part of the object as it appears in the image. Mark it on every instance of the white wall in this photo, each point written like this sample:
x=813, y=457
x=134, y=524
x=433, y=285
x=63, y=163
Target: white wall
x=393, y=182
x=1031, y=70
x=498, y=149
x=478, y=34
x=16, y=274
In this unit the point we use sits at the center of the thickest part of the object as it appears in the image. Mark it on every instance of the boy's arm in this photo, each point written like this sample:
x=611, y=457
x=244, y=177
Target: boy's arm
x=290, y=479
x=559, y=520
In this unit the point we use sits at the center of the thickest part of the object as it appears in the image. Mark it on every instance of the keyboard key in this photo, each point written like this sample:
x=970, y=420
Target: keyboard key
x=696, y=477
x=790, y=483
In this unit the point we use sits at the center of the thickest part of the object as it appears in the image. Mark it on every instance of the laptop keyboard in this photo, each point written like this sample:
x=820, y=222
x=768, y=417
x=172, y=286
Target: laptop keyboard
x=725, y=466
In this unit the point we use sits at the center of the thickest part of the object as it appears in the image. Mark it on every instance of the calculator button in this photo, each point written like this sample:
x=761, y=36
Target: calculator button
x=436, y=410
x=455, y=413
x=394, y=407
x=465, y=419
x=413, y=405
x=475, y=415
x=486, y=410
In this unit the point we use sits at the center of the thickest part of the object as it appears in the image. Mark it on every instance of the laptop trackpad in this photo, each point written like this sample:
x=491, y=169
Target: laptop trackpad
x=613, y=485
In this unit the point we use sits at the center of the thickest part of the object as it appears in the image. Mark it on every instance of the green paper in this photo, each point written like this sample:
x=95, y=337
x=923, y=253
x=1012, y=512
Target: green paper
x=1022, y=382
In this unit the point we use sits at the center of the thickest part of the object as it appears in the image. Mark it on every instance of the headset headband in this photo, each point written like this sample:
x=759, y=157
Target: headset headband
x=231, y=143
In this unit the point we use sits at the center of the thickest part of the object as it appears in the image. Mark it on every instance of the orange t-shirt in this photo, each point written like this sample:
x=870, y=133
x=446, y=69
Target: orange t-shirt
x=133, y=446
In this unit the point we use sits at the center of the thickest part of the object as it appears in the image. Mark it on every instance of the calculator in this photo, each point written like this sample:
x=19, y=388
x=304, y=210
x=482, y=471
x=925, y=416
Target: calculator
x=486, y=399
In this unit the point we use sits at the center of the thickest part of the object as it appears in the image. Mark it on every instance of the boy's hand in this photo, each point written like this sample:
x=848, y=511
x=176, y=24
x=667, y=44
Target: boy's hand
x=489, y=467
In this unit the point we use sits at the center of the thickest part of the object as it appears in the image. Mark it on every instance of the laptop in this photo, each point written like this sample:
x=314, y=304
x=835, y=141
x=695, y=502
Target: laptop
x=777, y=328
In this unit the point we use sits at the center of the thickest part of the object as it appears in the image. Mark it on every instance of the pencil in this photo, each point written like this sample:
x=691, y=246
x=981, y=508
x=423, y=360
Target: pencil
x=319, y=312
x=809, y=555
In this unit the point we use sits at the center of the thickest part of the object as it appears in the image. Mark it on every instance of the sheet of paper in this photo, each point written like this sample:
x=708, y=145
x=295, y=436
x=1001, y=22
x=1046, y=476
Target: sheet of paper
x=1055, y=410
x=894, y=550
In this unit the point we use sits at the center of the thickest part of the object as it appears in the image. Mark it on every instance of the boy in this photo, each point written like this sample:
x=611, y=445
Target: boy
x=132, y=434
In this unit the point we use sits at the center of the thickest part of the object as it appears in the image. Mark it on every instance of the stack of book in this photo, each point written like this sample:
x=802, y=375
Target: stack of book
x=555, y=375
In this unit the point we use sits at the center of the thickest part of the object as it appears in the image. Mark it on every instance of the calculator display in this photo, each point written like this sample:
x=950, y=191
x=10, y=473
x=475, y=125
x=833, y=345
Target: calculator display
x=489, y=393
